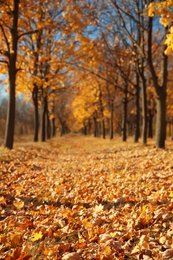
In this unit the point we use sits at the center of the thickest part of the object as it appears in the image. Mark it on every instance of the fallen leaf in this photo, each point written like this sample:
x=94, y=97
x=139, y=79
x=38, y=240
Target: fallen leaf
x=37, y=236
x=71, y=256
x=168, y=254
x=16, y=240
x=18, y=203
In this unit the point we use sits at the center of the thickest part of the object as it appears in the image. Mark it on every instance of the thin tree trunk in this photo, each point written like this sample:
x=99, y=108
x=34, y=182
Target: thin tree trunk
x=137, y=114
x=161, y=121
x=53, y=128
x=89, y=126
x=36, y=113
x=103, y=129
x=144, y=112
x=124, y=118
x=43, y=126
x=111, y=135
x=95, y=127
x=160, y=88
x=48, y=125
x=85, y=129
x=102, y=113
x=12, y=71
x=10, y=125
x=150, y=124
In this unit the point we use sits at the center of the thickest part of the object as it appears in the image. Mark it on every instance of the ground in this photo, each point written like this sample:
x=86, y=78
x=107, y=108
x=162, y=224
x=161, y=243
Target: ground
x=79, y=197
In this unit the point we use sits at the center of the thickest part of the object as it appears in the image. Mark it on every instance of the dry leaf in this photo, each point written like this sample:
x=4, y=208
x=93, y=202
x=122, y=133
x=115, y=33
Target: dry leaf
x=16, y=240
x=18, y=203
x=168, y=254
x=104, y=238
x=37, y=236
x=71, y=256
x=162, y=240
x=2, y=201
x=59, y=215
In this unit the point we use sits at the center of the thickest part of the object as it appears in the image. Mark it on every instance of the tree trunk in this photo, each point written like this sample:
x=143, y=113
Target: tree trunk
x=95, y=127
x=159, y=86
x=103, y=129
x=53, y=128
x=10, y=125
x=43, y=125
x=89, y=126
x=48, y=125
x=150, y=124
x=124, y=119
x=85, y=129
x=111, y=135
x=36, y=112
x=161, y=121
x=102, y=113
x=12, y=71
x=144, y=112
x=137, y=114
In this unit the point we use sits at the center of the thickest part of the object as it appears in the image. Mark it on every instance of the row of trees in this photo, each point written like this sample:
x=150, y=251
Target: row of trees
x=24, y=116
x=91, y=64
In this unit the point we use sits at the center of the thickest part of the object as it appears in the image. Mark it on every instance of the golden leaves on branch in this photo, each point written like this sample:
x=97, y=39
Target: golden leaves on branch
x=163, y=9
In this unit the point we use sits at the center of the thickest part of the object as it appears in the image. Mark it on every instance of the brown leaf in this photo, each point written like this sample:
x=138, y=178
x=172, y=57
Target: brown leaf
x=168, y=254
x=16, y=240
x=18, y=203
x=71, y=256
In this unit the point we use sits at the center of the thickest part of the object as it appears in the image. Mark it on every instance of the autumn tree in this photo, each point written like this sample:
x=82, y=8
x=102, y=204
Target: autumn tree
x=129, y=23
x=129, y=31
x=160, y=83
x=45, y=70
x=9, y=33
x=92, y=55
x=85, y=102
x=12, y=34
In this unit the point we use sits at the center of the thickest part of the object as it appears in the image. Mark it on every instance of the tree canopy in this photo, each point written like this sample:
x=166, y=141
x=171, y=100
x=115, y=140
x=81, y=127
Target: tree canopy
x=104, y=54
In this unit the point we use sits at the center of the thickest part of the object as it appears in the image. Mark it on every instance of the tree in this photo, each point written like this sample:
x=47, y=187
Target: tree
x=44, y=68
x=12, y=34
x=160, y=84
x=10, y=58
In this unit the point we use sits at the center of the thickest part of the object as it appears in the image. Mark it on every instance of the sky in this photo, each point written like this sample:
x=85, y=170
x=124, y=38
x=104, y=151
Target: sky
x=2, y=88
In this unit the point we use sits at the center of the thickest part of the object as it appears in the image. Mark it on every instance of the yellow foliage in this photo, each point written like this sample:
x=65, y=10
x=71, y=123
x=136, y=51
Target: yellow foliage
x=163, y=9
x=164, y=21
x=168, y=50
x=151, y=8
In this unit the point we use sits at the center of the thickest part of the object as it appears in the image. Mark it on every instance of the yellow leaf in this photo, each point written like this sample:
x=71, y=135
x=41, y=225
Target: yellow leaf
x=143, y=210
x=168, y=50
x=99, y=208
x=37, y=236
x=151, y=9
x=163, y=240
x=164, y=21
x=2, y=201
x=107, y=250
x=88, y=225
x=18, y=203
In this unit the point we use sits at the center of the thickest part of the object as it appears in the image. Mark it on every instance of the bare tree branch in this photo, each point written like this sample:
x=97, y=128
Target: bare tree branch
x=27, y=33
x=5, y=37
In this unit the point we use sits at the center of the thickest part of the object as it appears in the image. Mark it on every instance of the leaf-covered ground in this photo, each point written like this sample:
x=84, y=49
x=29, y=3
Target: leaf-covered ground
x=86, y=198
